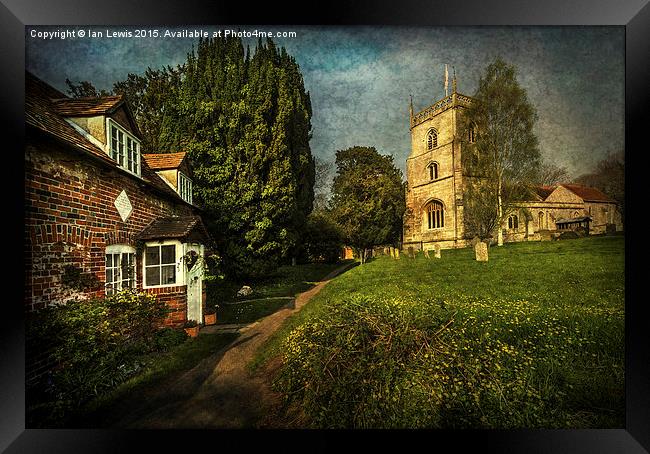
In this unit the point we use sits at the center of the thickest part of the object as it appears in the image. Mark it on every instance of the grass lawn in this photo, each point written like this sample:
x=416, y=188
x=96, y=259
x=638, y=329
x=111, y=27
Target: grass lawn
x=532, y=338
x=287, y=281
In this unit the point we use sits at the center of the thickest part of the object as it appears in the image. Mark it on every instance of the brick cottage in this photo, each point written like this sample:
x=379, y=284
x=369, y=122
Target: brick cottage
x=100, y=214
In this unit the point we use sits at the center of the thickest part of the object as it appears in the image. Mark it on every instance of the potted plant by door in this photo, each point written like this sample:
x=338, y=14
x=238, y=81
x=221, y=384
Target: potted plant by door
x=191, y=328
x=210, y=315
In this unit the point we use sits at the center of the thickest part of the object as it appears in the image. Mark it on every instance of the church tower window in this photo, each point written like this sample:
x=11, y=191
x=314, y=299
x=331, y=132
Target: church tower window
x=433, y=171
x=435, y=215
x=471, y=134
x=432, y=139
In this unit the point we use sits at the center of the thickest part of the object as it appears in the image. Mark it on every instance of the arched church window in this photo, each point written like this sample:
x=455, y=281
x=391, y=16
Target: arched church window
x=471, y=134
x=540, y=219
x=432, y=139
x=433, y=171
x=513, y=221
x=435, y=215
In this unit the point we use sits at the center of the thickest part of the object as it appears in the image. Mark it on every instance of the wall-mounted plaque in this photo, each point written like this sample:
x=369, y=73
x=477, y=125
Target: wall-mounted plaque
x=123, y=205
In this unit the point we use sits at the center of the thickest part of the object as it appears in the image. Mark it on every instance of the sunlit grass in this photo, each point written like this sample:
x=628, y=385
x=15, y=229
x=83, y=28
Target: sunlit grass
x=532, y=338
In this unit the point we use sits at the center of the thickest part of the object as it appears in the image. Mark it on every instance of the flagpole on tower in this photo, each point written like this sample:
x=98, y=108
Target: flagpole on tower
x=446, y=81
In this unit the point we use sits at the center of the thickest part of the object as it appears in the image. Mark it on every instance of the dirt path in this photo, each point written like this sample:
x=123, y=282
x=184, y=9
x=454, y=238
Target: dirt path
x=220, y=392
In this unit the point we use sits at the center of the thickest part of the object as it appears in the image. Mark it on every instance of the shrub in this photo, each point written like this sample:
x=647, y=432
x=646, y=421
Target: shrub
x=166, y=338
x=569, y=235
x=93, y=345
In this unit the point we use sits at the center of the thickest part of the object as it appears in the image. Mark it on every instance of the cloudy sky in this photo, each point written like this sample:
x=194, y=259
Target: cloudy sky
x=360, y=78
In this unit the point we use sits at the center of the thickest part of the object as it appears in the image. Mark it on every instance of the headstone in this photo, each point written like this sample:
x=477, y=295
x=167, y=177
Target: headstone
x=244, y=291
x=411, y=252
x=437, y=250
x=481, y=252
x=386, y=251
x=397, y=253
x=426, y=253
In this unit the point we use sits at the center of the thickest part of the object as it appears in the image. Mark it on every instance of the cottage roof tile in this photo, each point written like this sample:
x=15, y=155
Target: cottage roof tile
x=73, y=107
x=163, y=161
x=173, y=227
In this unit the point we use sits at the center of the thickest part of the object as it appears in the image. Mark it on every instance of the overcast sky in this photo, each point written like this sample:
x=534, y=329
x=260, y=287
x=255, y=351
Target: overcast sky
x=360, y=78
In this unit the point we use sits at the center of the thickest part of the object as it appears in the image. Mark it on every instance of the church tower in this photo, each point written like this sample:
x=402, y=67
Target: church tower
x=434, y=192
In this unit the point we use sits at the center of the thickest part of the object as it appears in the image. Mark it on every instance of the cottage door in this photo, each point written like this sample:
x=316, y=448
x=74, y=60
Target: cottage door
x=194, y=281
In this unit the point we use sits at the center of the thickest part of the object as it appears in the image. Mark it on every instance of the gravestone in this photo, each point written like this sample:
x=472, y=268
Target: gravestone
x=397, y=253
x=386, y=251
x=437, y=251
x=411, y=252
x=392, y=252
x=426, y=253
x=481, y=252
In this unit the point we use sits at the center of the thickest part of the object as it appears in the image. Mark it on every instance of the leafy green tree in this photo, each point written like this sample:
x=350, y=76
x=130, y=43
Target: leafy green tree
x=367, y=198
x=323, y=239
x=245, y=121
x=502, y=162
x=149, y=96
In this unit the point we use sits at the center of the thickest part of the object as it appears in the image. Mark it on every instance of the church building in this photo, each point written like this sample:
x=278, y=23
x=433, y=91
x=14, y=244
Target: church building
x=436, y=181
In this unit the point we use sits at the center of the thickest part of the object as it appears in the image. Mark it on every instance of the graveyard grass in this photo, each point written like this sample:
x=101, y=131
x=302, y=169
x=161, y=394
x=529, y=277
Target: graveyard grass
x=532, y=338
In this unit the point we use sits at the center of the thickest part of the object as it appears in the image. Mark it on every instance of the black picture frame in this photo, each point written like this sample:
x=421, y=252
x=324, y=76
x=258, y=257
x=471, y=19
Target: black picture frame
x=634, y=15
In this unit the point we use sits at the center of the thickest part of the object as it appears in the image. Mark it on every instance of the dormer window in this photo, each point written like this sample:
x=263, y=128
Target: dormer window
x=124, y=148
x=185, y=187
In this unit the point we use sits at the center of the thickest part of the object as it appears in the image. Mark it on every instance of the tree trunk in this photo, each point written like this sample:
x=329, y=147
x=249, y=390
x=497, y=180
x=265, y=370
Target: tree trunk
x=500, y=214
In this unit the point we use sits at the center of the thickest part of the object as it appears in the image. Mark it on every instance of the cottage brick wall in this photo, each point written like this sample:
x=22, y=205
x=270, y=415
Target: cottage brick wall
x=70, y=218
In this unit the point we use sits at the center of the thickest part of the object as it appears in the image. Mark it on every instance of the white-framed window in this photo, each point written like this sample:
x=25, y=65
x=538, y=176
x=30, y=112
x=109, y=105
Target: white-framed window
x=185, y=187
x=124, y=147
x=120, y=268
x=161, y=264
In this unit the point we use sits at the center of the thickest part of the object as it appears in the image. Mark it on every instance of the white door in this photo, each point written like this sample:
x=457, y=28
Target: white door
x=194, y=281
